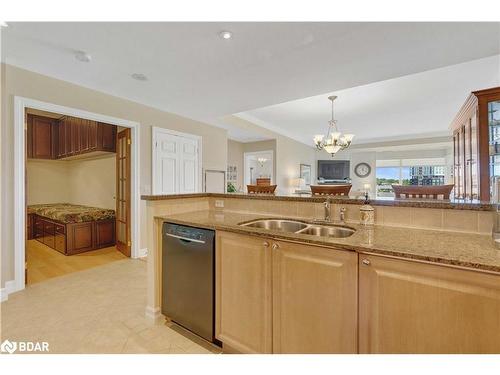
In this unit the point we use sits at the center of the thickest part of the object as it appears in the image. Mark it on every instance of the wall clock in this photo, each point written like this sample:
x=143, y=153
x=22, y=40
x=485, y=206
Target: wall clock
x=362, y=170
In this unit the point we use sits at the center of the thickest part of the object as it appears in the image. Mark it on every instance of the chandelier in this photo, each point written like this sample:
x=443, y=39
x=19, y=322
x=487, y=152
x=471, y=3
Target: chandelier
x=333, y=141
x=262, y=161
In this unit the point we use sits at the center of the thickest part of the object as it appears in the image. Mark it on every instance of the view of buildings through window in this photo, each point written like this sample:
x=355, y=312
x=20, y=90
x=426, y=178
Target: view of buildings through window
x=408, y=175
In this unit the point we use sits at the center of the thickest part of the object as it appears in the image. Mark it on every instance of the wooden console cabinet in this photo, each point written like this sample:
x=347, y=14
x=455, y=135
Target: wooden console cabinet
x=73, y=238
x=68, y=136
x=476, y=144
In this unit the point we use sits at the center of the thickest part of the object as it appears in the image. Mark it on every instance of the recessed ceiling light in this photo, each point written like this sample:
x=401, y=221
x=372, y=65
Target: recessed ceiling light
x=139, y=77
x=4, y=24
x=226, y=34
x=83, y=56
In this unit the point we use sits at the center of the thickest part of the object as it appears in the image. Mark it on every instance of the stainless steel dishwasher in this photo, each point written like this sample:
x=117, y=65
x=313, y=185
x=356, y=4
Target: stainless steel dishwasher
x=188, y=284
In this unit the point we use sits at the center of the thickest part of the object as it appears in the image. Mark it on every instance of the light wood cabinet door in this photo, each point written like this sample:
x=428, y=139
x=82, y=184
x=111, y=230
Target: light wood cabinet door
x=314, y=299
x=410, y=307
x=243, y=292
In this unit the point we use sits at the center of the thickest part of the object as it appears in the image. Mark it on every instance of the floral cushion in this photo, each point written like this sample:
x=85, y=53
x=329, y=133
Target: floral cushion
x=71, y=213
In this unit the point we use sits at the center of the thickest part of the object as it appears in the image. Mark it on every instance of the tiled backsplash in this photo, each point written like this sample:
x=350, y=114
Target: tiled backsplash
x=423, y=218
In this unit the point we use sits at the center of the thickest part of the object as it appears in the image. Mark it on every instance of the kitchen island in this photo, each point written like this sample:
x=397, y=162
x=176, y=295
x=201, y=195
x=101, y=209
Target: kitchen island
x=381, y=290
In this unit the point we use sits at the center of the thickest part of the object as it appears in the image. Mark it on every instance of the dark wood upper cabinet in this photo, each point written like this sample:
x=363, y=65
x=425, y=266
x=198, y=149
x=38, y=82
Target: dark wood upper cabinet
x=106, y=137
x=41, y=137
x=75, y=135
x=476, y=145
x=69, y=136
x=84, y=136
x=61, y=140
x=92, y=130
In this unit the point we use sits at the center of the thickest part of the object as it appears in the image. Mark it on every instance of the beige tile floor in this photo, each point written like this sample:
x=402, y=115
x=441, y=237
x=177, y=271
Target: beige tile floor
x=99, y=310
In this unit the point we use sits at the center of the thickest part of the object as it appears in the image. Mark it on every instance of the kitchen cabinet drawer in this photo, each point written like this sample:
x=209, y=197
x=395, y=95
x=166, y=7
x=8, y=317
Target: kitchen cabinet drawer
x=60, y=228
x=37, y=231
x=48, y=228
x=60, y=243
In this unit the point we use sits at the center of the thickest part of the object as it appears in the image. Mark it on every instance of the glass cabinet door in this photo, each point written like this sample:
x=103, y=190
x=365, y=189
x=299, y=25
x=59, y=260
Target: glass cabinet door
x=468, y=159
x=494, y=139
x=473, y=162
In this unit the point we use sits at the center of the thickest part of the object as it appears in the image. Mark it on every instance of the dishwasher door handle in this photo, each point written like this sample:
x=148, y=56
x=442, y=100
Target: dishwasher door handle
x=184, y=238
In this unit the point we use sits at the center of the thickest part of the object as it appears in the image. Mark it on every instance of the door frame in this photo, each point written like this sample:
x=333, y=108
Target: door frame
x=20, y=105
x=155, y=130
x=246, y=177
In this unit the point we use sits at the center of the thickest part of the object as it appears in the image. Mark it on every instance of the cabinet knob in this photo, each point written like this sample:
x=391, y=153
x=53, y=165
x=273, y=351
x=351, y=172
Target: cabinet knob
x=276, y=246
x=366, y=262
x=266, y=244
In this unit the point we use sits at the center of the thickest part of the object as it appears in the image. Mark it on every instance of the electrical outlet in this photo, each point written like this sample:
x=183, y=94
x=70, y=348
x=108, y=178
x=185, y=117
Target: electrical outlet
x=219, y=204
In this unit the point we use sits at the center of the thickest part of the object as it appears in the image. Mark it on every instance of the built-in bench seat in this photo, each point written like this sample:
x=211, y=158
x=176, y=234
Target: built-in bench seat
x=71, y=229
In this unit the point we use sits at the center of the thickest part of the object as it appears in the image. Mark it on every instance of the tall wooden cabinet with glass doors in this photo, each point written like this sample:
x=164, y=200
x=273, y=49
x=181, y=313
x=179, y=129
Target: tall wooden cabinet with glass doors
x=476, y=145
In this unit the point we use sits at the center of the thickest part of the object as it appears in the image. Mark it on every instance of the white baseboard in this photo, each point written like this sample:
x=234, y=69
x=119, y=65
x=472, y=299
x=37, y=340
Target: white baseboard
x=143, y=253
x=10, y=287
x=153, y=313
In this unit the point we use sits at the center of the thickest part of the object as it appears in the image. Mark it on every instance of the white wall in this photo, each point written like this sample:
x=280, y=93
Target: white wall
x=47, y=182
x=93, y=182
x=358, y=183
x=32, y=85
x=289, y=155
x=235, y=157
x=86, y=182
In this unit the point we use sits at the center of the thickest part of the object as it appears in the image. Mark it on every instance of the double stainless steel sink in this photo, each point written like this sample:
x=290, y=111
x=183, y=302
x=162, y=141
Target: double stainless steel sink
x=299, y=227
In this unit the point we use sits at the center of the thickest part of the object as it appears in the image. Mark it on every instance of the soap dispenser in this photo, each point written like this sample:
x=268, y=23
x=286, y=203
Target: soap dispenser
x=367, y=212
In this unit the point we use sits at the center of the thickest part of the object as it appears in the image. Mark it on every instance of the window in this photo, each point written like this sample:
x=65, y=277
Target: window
x=387, y=176
x=408, y=172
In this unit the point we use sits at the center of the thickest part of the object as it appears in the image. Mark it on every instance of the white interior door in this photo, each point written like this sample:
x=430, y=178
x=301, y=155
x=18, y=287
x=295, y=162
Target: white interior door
x=167, y=161
x=188, y=160
x=176, y=165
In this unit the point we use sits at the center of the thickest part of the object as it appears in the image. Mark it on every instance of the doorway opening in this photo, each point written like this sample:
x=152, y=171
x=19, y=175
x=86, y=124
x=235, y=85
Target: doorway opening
x=257, y=165
x=76, y=190
x=77, y=194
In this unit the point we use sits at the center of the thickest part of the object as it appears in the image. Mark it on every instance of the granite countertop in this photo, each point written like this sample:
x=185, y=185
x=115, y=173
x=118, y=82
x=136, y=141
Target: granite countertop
x=458, y=204
x=473, y=251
